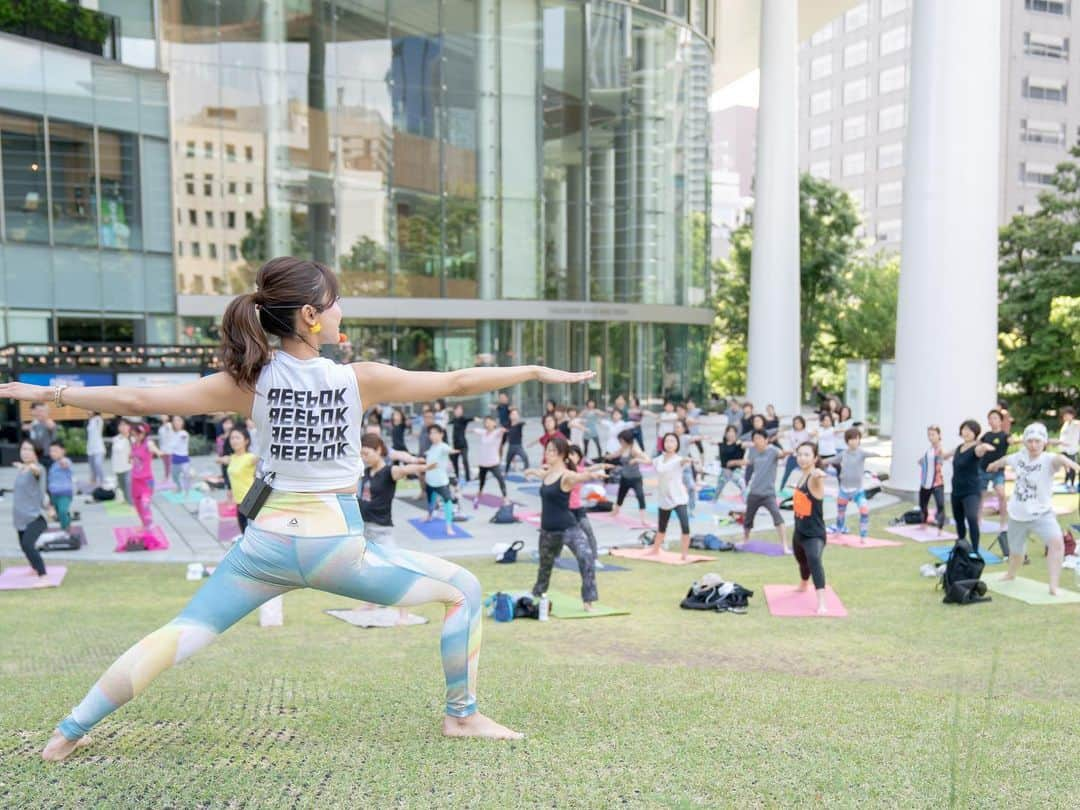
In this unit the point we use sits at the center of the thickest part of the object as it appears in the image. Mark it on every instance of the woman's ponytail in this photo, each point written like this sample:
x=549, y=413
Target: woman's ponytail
x=244, y=347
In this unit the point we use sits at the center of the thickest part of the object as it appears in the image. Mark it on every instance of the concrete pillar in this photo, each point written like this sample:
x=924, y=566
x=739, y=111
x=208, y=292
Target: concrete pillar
x=946, y=327
x=773, y=374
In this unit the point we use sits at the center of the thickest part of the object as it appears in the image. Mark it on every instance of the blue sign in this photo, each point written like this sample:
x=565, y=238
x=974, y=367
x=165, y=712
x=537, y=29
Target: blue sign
x=74, y=380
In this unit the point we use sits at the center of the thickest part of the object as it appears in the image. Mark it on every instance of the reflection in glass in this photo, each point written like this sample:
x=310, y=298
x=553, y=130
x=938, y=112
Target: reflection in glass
x=71, y=152
x=121, y=224
x=22, y=155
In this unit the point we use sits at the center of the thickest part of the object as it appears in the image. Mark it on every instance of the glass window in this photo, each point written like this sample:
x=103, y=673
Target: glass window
x=1042, y=132
x=890, y=7
x=29, y=276
x=153, y=103
x=230, y=219
x=890, y=155
x=208, y=185
x=249, y=154
x=180, y=249
x=193, y=216
x=890, y=118
x=889, y=230
x=857, y=17
x=230, y=152
x=196, y=250
x=1037, y=174
x=822, y=35
x=74, y=197
x=891, y=193
x=1058, y=7
x=22, y=82
x=22, y=156
x=821, y=102
x=189, y=183
x=1046, y=46
x=856, y=90
x=208, y=149
x=821, y=66
x=232, y=187
x=854, y=163
x=209, y=218
x=233, y=253
x=157, y=230
x=123, y=280
x=821, y=169
x=820, y=137
x=190, y=151
x=76, y=279
x=249, y=188
x=892, y=79
x=858, y=197
x=1046, y=89
x=894, y=40
x=212, y=250
x=68, y=85
x=856, y=53
x=854, y=127
x=121, y=223
x=116, y=96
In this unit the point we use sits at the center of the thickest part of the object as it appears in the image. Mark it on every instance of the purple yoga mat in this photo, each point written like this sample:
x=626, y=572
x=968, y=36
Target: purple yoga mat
x=488, y=499
x=761, y=547
x=436, y=529
x=227, y=529
x=23, y=577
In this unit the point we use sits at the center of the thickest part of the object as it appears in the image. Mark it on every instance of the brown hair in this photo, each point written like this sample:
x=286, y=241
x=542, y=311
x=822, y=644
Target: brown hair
x=373, y=442
x=283, y=286
x=562, y=447
x=852, y=433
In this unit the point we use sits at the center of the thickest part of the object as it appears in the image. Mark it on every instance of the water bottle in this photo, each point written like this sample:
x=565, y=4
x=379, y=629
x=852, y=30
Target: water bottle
x=545, y=607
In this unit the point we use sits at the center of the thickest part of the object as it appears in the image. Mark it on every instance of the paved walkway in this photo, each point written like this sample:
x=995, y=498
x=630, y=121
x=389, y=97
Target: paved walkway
x=195, y=540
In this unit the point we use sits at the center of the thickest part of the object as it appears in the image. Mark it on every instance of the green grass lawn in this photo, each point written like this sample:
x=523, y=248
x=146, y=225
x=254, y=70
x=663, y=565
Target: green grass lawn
x=905, y=703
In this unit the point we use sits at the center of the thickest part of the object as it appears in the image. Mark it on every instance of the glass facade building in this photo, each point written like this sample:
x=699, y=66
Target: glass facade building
x=509, y=181
x=85, y=229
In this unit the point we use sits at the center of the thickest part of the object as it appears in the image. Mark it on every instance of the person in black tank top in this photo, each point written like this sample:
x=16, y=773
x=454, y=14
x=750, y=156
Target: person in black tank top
x=558, y=526
x=809, y=541
x=967, y=484
x=398, y=426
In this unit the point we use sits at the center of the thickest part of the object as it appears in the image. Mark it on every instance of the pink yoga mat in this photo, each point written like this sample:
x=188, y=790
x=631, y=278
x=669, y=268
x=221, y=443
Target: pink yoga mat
x=786, y=600
x=854, y=541
x=921, y=535
x=626, y=521
x=154, y=538
x=226, y=509
x=24, y=578
x=532, y=518
x=665, y=557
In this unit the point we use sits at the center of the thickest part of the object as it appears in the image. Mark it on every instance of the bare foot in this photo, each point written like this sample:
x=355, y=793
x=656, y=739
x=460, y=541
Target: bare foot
x=803, y=586
x=477, y=725
x=60, y=746
x=652, y=550
x=587, y=607
x=1007, y=577
x=788, y=550
x=822, y=610
x=862, y=540
x=1053, y=592
x=682, y=556
x=42, y=582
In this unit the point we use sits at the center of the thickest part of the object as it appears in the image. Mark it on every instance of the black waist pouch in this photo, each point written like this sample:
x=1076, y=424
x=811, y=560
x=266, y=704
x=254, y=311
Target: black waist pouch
x=256, y=496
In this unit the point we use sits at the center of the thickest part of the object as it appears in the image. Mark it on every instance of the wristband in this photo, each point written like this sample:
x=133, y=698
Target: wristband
x=58, y=395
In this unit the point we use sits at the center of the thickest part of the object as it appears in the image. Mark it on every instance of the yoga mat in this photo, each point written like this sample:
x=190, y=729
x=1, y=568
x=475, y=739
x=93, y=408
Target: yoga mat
x=532, y=518
x=436, y=529
x=226, y=509
x=921, y=535
x=942, y=553
x=515, y=478
x=530, y=491
x=786, y=600
x=985, y=526
x=1061, y=489
x=569, y=607
x=761, y=547
x=23, y=578
x=665, y=557
x=854, y=541
x=1030, y=591
x=119, y=509
x=227, y=530
x=157, y=539
x=488, y=499
x=570, y=564
x=620, y=520
x=180, y=498
x=375, y=617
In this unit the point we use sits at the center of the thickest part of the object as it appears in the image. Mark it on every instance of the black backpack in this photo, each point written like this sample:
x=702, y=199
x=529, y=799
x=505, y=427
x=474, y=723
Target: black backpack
x=710, y=597
x=961, y=578
x=102, y=494
x=505, y=514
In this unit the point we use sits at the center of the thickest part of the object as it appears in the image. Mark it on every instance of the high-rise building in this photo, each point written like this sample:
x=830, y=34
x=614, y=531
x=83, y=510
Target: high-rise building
x=853, y=105
x=85, y=222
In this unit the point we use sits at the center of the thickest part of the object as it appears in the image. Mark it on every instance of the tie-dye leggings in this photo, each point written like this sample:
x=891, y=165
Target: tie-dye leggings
x=301, y=541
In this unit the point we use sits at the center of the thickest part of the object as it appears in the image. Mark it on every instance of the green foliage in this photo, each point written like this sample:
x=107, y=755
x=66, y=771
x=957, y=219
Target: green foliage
x=827, y=243
x=56, y=17
x=865, y=324
x=1037, y=321
x=199, y=445
x=73, y=439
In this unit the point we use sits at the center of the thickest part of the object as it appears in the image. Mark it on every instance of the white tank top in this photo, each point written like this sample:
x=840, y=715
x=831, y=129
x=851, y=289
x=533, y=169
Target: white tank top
x=307, y=415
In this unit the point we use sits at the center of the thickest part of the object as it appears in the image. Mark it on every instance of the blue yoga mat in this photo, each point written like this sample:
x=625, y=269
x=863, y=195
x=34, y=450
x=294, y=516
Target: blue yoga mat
x=942, y=553
x=436, y=529
x=529, y=491
x=178, y=497
x=515, y=478
x=761, y=547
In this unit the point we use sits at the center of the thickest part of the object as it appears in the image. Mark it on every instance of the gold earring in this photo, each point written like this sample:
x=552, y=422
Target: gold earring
x=316, y=328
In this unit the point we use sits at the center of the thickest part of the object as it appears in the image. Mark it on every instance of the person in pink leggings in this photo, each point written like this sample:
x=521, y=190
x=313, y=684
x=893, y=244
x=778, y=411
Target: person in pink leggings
x=143, y=450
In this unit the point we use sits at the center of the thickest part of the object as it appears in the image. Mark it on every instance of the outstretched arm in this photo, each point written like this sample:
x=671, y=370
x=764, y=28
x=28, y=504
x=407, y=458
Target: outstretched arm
x=216, y=392
x=382, y=383
x=401, y=470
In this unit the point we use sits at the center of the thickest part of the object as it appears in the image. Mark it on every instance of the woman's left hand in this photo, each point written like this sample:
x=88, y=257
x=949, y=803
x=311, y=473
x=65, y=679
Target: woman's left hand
x=554, y=376
x=24, y=392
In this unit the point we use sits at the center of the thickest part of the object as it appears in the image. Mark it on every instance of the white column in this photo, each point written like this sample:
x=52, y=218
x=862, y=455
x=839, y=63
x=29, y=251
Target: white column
x=946, y=327
x=773, y=362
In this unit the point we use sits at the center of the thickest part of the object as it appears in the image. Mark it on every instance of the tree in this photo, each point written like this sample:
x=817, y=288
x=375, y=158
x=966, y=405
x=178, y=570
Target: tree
x=827, y=223
x=865, y=325
x=1037, y=321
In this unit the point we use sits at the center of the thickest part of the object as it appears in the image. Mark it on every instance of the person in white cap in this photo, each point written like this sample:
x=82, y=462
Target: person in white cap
x=1031, y=510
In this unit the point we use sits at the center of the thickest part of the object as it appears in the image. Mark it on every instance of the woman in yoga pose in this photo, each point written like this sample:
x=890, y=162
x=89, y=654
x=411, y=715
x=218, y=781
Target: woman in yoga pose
x=309, y=531
x=809, y=538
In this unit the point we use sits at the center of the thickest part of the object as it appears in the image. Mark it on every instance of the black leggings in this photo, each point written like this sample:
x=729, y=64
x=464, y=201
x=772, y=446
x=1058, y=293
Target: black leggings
x=516, y=451
x=938, y=494
x=965, y=509
x=1070, y=476
x=464, y=456
x=551, y=545
x=583, y=523
x=585, y=448
x=665, y=516
x=28, y=539
x=497, y=474
x=627, y=484
x=808, y=552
